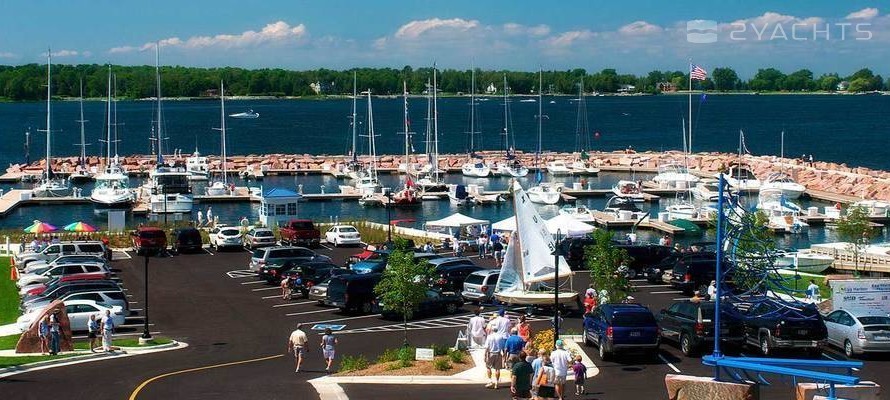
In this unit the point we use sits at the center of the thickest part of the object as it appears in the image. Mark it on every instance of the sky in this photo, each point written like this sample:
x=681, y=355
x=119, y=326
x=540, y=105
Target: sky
x=632, y=36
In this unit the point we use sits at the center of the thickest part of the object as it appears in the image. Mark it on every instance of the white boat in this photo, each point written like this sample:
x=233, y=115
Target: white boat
x=783, y=214
x=366, y=182
x=220, y=187
x=50, y=185
x=197, y=166
x=740, y=177
x=623, y=208
x=875, y=208
x=557, y=168
x=804, y=261
x=681, y=210
x=112, y=185
x=527, y=101
x=781, y=181
x=510, y=166
x=579, y=212
x=528, y=274
x=629, y=190
x=674, y=176
x=250, y=114
x=476, y=169
x=545, y=193
x=372, y=200
x=708, y=191
x=458, y=196
x=254, y=172
x=429, y=175
x=475, y=166
x=583, y=167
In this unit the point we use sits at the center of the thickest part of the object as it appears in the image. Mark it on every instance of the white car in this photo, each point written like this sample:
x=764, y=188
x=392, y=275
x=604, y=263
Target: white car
x=43, y=275
x=225, y=237
x=79, y=312
x=858, y=334
x=343, y=234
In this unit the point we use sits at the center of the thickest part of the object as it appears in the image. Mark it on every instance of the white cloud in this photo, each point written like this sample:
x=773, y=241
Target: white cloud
x=638, y=28
x=276, y=32
x=415, y=29
x=6, y=54
x=865, y=13
x=567, y=39
x=514, y=29
x=68, y=53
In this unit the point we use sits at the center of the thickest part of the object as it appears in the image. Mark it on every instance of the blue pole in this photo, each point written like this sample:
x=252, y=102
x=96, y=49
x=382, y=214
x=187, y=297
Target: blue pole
x=719, y=272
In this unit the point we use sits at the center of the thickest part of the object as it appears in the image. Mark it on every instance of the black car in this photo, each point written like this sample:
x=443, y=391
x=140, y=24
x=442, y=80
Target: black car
x=187, y=240
x=69, y=287
x=655, y=273
x=436, y=303
x=353, y=293
x=641, y=255
x=772, y=324
x=694, y=274
x=691, y=325
x=450, y=273
x=303, y=277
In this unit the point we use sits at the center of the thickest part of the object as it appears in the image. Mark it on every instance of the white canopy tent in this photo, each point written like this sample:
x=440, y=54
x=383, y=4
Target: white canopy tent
x=505, y=225
x=455, y=223
x=565, y=224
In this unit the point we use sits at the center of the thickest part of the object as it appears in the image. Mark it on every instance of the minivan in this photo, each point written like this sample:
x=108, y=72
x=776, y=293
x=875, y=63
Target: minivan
x=281, y=255
x=479, y=286
x=353, y=293
x=55, y=250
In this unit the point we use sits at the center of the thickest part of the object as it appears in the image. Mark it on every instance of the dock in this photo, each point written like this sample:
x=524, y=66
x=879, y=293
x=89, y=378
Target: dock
x=14, y=198
x=610, y=221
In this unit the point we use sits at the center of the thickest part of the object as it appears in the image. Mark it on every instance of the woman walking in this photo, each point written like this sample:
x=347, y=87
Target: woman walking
x=92, y=331
x=328, y=341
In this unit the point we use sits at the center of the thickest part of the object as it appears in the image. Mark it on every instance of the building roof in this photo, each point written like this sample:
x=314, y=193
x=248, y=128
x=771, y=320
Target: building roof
x=277, y=193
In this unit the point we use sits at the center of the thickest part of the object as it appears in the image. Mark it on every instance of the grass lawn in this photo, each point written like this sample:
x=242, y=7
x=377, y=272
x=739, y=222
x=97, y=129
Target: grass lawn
x=9, y=342
x=19, y=360
x=789, y=281
x=9, y=295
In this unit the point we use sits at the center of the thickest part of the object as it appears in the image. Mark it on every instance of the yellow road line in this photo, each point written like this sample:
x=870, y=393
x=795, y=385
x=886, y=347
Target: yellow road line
x=150, y=380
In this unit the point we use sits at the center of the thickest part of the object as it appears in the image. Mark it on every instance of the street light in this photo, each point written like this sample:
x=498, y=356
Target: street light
x=146, y=335
x=389, y=217
x=556, y=254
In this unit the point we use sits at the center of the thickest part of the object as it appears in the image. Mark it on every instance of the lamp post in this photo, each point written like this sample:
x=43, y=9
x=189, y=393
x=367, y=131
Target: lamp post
x=146, y=335
x=389, y=218
x=556, y=287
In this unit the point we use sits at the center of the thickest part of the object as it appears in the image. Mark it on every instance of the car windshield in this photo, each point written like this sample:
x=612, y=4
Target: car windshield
x=376, y=257
x=874, y=320
x=40, y=270
x=263, y=234
x=633, y=320
x=152, y=234
x=301, y=225
x=259, y=253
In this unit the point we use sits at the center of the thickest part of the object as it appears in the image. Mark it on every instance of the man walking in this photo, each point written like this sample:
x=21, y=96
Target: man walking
x=521, y=382
x=561, y=360
x=513, y=347
x=55, y=333
x=107, y=331
x=297, y=343
x=502, y=327
x=493, y=359
x=476, y=330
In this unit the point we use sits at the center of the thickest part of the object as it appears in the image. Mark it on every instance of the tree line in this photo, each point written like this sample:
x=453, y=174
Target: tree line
x=27, y=82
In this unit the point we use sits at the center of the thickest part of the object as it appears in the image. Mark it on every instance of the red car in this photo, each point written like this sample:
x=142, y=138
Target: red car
x=149, y=240
x=88, y=276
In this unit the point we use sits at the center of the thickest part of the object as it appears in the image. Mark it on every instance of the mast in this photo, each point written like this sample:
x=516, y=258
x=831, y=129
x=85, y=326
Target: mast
x=49, y=131
x=114, y=104
x=435, y=160
x=540, y=116
x=83, y=144
x=354, y=102
x=428, y=141
x=372, y=169
x=688, y=147
x=581, y=128
x=160, y=123
x=473, y=111
x=406, y=127
x=108, y=124
x=222, y=129
x=506, y=120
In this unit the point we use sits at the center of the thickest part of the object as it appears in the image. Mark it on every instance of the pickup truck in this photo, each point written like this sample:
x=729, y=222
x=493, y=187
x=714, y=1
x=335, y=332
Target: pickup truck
x=300, y=232
x=770, y=325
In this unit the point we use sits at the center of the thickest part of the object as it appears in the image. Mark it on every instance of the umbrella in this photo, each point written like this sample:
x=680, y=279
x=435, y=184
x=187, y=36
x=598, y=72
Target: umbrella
x=79, y=226
x=40, y=227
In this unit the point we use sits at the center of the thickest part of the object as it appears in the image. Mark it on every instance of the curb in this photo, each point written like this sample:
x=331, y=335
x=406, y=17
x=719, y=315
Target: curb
x=124, y=352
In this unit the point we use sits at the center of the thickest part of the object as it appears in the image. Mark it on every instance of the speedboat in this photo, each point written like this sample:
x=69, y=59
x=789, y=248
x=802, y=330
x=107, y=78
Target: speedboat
x=682, y=210
x=629, y=190
x=804, y=261
x=250, y=114
x=558, y=167
x=218, y=188
x=476, y=168
x=170, y=191
x=254, y=172
x=875, y=208
x=545, y=193
x=372, y=200
x=112, y=188
x=740, y=177
x=581, y=167
x=197, y=167
x=458, y=196
x=781, y=181
x=580, y=212
x=783, y=214
x=709, y=191
x=674, y=176
x=623, y=208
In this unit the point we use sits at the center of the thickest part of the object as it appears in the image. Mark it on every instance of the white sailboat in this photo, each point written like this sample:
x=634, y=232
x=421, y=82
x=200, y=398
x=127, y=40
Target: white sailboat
x=366, y=182
x=353, y=167
x=169, y=187
x=543, y=193
x=629, y=190
x=429, y=176
x=739, y=176
x=529, y=275
x=782, y=181
x=220, y=187
x=582, y=165
x=407, y=196
x=511, y=165
x=558, y=168
x=475, y=166
x=678, y=177
x=50, y=185
x=81, y=172
x=112, y=185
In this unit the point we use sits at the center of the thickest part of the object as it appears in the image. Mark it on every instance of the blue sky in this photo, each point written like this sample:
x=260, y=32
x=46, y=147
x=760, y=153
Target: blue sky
x=631, y=36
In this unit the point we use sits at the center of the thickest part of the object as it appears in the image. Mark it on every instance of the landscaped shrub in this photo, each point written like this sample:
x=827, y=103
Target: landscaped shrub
x=543, y=340
x=456, y=356
x=354, y=363
x=439, y=349
x=388, y=355
x=442, y=364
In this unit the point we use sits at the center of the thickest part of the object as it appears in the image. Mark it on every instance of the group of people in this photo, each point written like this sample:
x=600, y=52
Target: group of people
x=49, y=331
x=542, y=374
x=212, y=220
x=488, y=245
x=298, y=343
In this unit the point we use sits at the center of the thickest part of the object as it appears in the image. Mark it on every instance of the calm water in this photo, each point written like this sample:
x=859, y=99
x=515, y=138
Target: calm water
x=834, y=128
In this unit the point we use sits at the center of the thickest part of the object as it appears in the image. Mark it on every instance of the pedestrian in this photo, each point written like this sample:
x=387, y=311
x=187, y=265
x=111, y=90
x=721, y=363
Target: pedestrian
x=297, y=343
x=545, y=380
x=580, y=374
x=537, y=363
x=813, y=291
x=107, y=331
x=200, y=218
x=521, y=382
x=497, y=249
x=328, y=341
x=493, y=359
x=245, y=223
x=524, y=329
x=712, y=290
x=502, y=327
x=209, y=215
x=513, y=346
x=589, y=302
x=696, y=297
x=482, y=244
x=811, y=160
x=476, y=329
x=92, y=332
x=561, y=360
x=55, y=333
x=285, y=288
x=43, y=334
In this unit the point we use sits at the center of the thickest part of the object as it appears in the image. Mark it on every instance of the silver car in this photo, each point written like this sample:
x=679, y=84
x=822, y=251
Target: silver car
x=479, y=286
x=858, y=334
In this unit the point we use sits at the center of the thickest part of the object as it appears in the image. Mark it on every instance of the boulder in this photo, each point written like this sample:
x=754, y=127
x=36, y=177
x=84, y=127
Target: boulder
x=863, y=391
x=685, y=387
x=29, y=342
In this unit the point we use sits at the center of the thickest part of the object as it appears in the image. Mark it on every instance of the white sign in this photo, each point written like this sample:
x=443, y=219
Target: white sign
x=861, y=296
x=424, y=354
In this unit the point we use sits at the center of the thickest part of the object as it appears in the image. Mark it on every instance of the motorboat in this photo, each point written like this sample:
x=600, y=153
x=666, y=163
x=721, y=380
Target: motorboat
x=623, y=208
x=367, y=184
x=476, y=168
x=250, y=114
x=372, y=200
x=629, y=190
x=583, y=167
x=803, y=261
x=112, y=188
x=740, y=177
x=50, y=184
x=783, y=214
x=558, y=168
x=682, y=210
x=545, y=193
x=197, y=167
x=511, y=168
x=781, y=181
x=254, y=172
x=674, y=176
x=709, y=191
x=579, y=212
x=459, y=196
x=874, y=208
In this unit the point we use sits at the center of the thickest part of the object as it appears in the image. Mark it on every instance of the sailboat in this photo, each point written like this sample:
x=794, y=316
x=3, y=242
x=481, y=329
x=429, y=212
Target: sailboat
x=366, y=182
x=475, y=166
x=353, y=167
x=169, y=187
x=682, y=207
x=429, y=176
x=50, y=185
x=511, y=165
x=528, y=264
x=782, y=181
x=783, y=214
x=407, y=196
x=221, y=187
x=543, y=193
x=81, y=173
x=582, y=165
x=112, y=185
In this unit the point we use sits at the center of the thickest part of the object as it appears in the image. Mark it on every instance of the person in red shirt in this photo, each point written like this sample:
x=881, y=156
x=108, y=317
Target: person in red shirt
x=589, y=303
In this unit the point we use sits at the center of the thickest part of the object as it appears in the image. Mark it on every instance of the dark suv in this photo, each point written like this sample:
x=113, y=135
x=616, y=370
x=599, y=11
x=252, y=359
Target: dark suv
x=149, y=240
x=304, y=277
x=187, y=239
x=691, y=325
x=641, y=255
x=450, y=273
x=689, y=275
x=621, y=327
x=281, y=255
x=771, y=324
x=353, y=293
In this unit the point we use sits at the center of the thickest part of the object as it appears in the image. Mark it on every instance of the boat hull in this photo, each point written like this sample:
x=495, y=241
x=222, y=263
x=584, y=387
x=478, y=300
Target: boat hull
x=474, y=171
x=513, y=172
x=536, y=298
x=543, y=197
x=175, y=204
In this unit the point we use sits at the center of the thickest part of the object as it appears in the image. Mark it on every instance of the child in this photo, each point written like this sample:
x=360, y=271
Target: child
x=580, y=374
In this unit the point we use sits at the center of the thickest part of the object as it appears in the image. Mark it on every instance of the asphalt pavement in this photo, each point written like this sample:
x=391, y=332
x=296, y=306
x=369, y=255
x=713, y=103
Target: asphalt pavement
x=237, y=328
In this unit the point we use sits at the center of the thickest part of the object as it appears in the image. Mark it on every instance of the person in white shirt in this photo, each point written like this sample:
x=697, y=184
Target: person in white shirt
x=493, y=359
x=297, y=343
x=502, y=326
x=561, y=360
x=712, y=290
x=813, y=291
x=476, y=330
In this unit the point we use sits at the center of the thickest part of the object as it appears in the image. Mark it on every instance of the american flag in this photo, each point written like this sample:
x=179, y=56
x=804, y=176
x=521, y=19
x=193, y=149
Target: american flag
x=697, y=73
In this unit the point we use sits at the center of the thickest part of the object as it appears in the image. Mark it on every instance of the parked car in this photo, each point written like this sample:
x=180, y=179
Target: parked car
x=38, y=288
x=259, y=237
x=44, y=275
x=55, y=250
x=377, y=262
x=226, y=237
x=149, y=240
x=436, y=303
x=68, y=287
x=353, y=293
x=771, y=324
x=280, y=255
x=641, y=255
x=479, y=286
x=273, y=273
x=300, y=232
x=858, y=333
x=65, y=259
x=187, y=239
x=319, y=292
x=657, y=272
x=621, y=327
x=691, y=326
x=449, y=273
x=343, y=234
x=691, y=274
x=305, y=276
x=78, y=312
x=114, y=297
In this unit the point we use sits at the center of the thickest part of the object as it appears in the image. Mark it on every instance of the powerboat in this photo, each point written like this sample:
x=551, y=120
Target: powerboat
x=583, y=167
x=875, y=208
x=628, y=189
x=558, y=167
x=740, y=177
x=579, y=212
x=804, y=261
x=781, y=181
x=709, y=191
x=783, y=214
x=511, y=168
x=545, y=193
x=254, y=172
x=682, y=210
x=197, y=167
x=674, y=176
x=623, y=208
x=476, y=168
x=250, y=114
x=112, y=188
x=459, y=196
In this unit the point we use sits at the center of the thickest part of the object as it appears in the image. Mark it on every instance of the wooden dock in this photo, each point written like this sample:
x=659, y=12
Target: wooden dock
x=14, y=198
x=832, y=197
x=610, y=221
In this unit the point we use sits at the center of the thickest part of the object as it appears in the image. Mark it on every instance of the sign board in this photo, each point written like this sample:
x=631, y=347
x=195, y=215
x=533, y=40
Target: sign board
x=861, y=296
x=117, y=220
x=333, y=327
x=424, y=354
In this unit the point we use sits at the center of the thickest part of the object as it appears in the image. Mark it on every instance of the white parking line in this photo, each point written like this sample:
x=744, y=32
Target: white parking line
x=322, y=245
x=277, y=296
x=667, y=292
x=122, y=334
x=121, y=252
x=133, y=302
x=265, y=288
x=681, y=299
x=294, y=304
x=342, y=319
x=636, y=280
x=309, y=312
x=252, y=282
x=135, y=309
x=241, y=273
x=129, y=295
x=664, y=360
x=208, y=251
x=650, y=286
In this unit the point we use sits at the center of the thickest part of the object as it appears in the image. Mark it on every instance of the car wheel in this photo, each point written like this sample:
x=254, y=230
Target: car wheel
x=848, y=349
x=365, y=308
x=451, y=308
x=604, y=355
x=686, y=346
x=764, y=346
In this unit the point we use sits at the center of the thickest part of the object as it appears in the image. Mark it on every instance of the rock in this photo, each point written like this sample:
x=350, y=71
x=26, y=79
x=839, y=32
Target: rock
x=866, y=390
x=29, y=342
x=685, y=387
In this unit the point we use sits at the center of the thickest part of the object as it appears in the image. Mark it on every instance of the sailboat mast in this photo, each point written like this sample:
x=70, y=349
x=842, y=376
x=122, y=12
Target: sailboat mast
x=540, y=111
x=108, y=123
x=407, y=137
x=114, y=103
x=83, y=139
x=49, y=130
x=435, y=160
x=354, y=115
x=506, y=119
x=222, y=118
x=688, y=147
x=160, y=123
x=473, y=111
x=373, y=167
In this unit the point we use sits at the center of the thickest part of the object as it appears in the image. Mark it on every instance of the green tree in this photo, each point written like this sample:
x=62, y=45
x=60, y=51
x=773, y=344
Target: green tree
x=752, y=250
x=769, y=79
x=828, y=82
x=604, y=261
x=855, y=226
x=725, y=79
x=404, y=283
x=801, y=80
